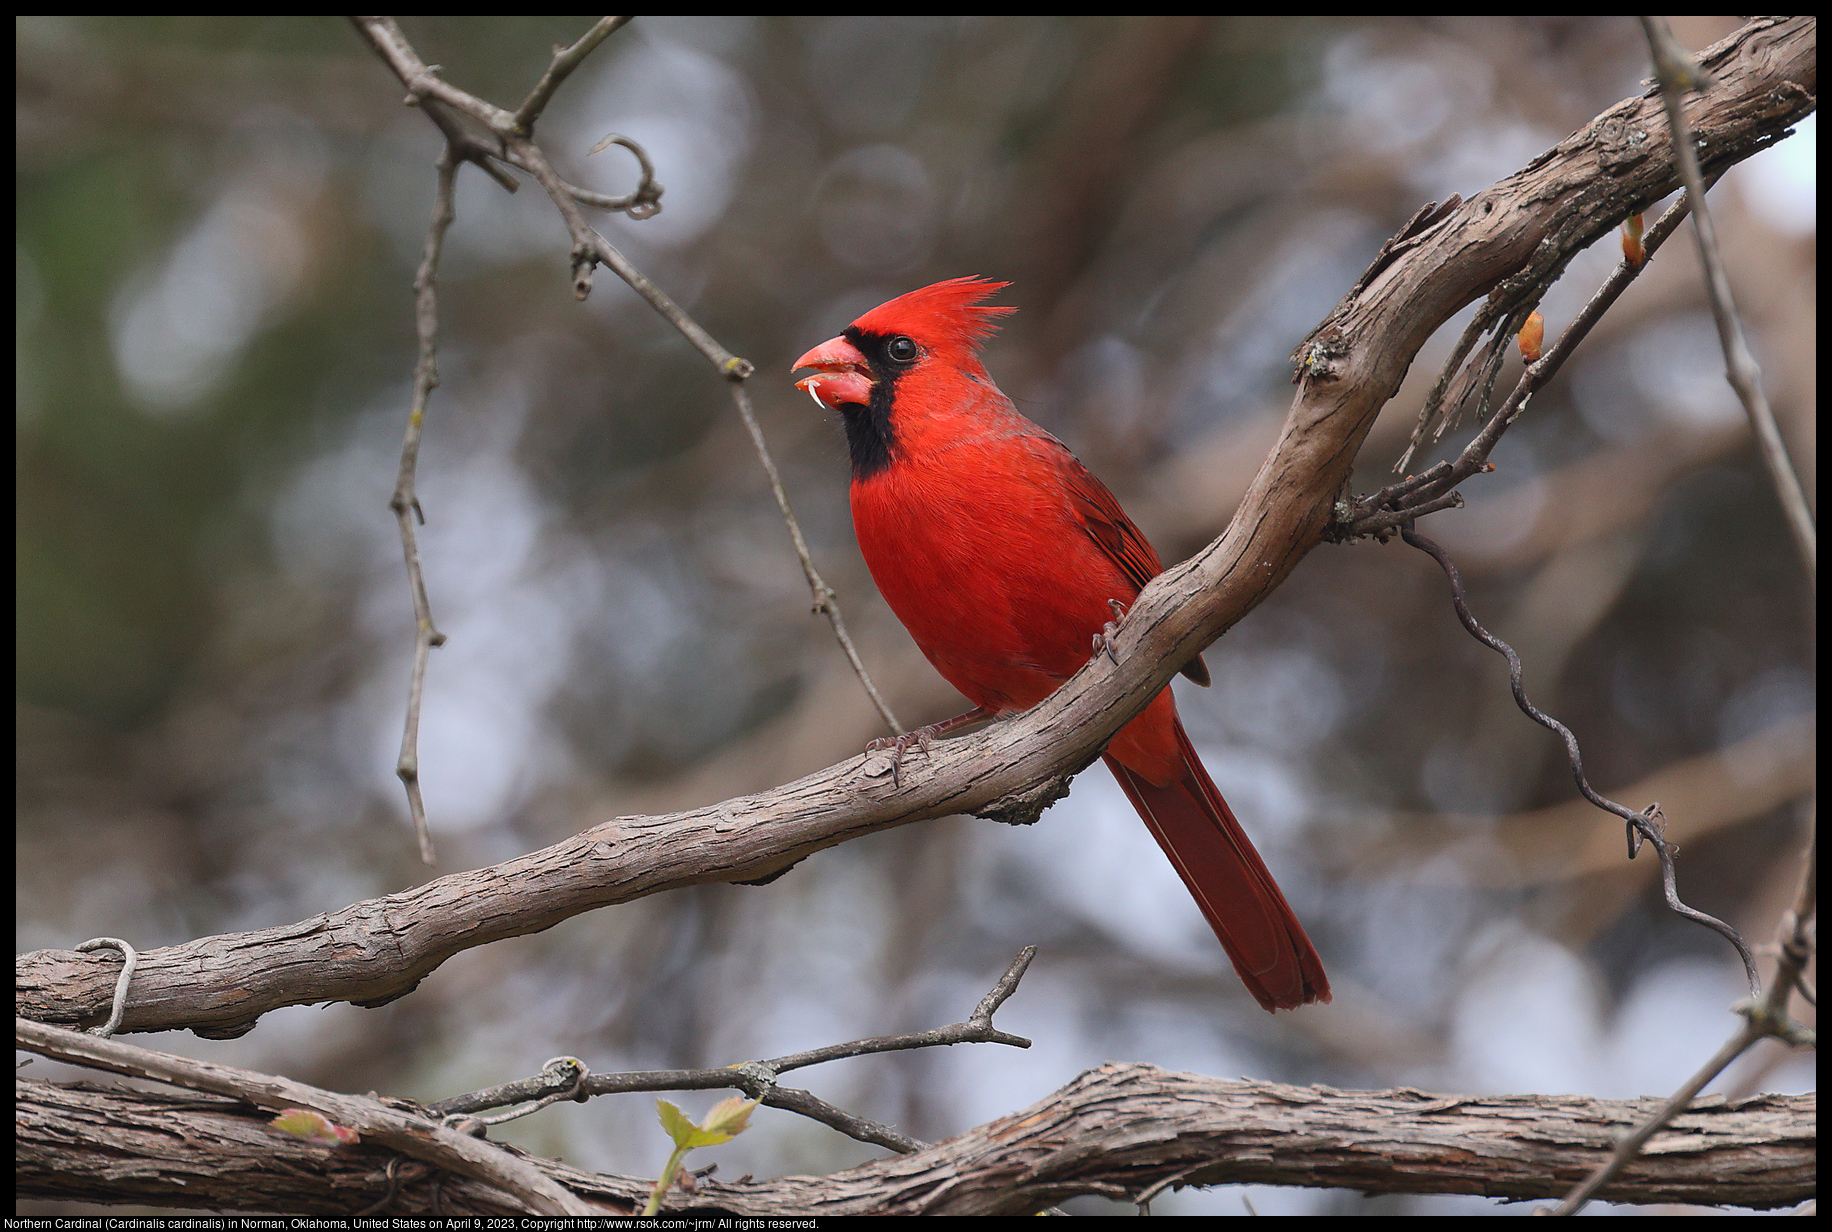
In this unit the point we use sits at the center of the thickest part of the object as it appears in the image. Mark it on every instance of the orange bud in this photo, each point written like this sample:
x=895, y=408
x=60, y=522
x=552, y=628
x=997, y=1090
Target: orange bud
x=1531, y=335
x=1632, y=251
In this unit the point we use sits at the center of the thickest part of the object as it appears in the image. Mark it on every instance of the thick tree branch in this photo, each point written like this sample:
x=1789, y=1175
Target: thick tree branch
x=375, y=951
x=423, y=1138
x=1121, y=1131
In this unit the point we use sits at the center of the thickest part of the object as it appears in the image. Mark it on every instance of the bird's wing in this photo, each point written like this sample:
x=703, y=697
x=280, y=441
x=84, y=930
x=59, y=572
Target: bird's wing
x=1108, y=525
x=1121, y=541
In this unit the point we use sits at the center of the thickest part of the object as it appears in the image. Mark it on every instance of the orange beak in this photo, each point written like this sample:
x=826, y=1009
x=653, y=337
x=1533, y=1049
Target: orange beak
x=844, y=376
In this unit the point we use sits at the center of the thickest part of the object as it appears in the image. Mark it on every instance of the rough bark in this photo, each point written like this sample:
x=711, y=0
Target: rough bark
x=1520, y=232
x=1119, y=1131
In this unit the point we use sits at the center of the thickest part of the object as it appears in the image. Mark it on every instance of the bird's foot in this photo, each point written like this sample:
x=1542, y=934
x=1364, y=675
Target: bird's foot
x=1103, y=641
x=922, y=738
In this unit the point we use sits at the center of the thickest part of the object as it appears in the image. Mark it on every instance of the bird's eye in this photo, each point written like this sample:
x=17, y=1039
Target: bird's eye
x=901, y=349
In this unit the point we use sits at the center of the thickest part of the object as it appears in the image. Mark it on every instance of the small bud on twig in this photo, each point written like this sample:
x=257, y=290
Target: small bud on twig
x=1532, y=334
x=1632, y=250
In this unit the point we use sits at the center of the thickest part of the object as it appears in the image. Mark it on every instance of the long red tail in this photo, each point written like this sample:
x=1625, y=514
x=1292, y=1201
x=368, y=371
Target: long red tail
x=1229, y=881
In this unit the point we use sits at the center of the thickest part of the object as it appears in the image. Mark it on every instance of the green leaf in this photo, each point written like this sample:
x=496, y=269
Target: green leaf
x=729, y=1118
x=676, y=1123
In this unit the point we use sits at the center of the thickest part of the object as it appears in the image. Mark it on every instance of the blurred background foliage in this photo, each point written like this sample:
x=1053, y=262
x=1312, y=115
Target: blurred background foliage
x=217, y=224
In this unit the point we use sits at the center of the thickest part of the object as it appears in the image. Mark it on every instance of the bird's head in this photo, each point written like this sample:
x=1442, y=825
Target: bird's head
x=937, y=328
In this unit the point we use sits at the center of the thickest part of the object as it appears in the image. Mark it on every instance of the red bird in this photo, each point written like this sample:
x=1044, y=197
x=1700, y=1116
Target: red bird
x=1006, y=560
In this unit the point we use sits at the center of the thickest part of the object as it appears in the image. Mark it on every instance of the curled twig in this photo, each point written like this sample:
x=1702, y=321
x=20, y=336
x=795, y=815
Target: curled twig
x=389, y=1174
x=1643, y=826
x=569, y=1072
x=644, y=202
x=130, y=958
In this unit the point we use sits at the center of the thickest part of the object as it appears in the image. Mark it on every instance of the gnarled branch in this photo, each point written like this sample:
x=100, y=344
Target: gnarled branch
x=1121, y=1131
x=375, y=951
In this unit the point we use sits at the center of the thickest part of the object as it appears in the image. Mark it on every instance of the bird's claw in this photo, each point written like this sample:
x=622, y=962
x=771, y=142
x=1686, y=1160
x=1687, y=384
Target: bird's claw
x=921, y=738
x=1103, y=641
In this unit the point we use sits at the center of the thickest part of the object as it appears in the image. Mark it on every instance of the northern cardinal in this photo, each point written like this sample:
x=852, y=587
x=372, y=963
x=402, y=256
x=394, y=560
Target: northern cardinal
x=1008, y=562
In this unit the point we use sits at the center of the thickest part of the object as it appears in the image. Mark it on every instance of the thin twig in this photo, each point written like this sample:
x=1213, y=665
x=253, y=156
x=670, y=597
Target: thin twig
x=1643, y=826
x=1387, y=496
x=1385, y=522
x=1677, y=73
x=757, y=1079
x=596, y=247
x=565, y=60
x=1631, y=1145
x=441, y=103
x=590, y=248
x=826, y=601
x=1435, y=399
x=1369, y=514
x=568, y=1072
x=1797, y=932
x=422, y=80
x=1762, y=1017
x=858, y=1128
x=406, y=504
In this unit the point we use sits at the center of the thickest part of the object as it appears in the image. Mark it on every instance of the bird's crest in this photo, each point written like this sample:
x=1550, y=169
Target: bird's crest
x=941, y=313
